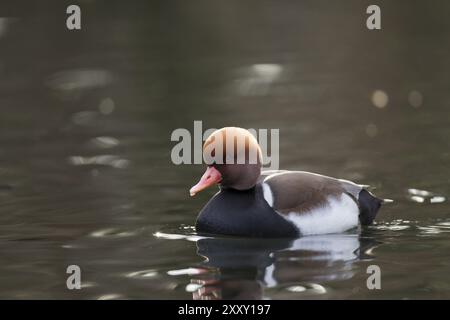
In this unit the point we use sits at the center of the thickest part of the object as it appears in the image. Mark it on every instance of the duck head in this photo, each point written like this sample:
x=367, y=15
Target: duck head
x=234, y=160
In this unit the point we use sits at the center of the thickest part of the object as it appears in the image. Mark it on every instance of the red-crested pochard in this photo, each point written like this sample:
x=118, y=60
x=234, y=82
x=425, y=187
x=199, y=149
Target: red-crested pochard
x=277, y=203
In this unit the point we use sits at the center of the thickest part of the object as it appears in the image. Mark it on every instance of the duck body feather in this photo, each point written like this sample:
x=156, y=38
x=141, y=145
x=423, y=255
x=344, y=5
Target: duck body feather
x=289, y=204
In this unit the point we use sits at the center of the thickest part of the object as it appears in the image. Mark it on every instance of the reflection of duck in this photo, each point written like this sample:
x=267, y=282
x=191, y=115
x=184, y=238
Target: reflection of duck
x=273, y=203
x=246, y=266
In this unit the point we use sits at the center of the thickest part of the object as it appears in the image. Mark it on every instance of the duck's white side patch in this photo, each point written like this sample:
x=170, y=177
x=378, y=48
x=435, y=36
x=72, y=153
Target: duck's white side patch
x=268, y=195
x=338, y=215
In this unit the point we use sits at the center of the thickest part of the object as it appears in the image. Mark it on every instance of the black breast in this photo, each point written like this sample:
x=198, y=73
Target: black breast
x=243, y=213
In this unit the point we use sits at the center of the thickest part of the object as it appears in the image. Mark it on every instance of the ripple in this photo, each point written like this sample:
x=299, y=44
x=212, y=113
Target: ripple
x=437, y=199
x=4, y=24
x=169, y=236
x=83, y=118
x=258, y=79
x=445, y=224
x=424, y=196
x=429, y=230
x=187, y=271
x=110, y=296
x=143, y=274
x=296, y=289
x=313, y=288
x=88, y=285
x=187, y=227
x=104, y=160
x=112, y=233
x=395, y=225
x=105, y=142
x=417, y=199
x=436, y=228
x=193, y=287
x=69, y=246
x=432, y=228
x=183, y=232
x=418, y=192
x=80, y=79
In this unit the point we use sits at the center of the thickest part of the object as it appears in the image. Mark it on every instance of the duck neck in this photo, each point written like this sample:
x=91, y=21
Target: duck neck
x=250, y=190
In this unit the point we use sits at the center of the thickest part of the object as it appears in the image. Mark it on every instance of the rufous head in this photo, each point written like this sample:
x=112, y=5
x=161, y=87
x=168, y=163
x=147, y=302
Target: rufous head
x=234, y=160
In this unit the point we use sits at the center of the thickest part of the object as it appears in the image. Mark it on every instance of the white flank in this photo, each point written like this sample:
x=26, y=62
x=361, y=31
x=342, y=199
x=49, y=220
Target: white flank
x=268, y=196
x=338, y=215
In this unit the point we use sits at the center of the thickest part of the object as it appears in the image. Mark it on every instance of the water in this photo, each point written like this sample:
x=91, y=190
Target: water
x=86, y=118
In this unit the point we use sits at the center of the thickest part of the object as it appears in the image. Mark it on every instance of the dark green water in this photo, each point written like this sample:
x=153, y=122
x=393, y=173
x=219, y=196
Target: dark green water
x=120, y=209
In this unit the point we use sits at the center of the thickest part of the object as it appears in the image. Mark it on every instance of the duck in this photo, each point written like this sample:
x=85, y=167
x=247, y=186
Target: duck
x=255, y=203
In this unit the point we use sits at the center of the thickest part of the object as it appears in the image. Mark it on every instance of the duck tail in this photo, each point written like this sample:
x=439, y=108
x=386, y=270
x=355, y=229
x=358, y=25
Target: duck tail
x=369, y=206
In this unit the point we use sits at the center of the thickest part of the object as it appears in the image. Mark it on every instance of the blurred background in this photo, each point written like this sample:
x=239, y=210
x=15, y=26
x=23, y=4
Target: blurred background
x=86, y=117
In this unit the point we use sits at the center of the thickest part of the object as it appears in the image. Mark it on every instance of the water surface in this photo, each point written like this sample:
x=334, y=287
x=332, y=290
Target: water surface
x=85, y=171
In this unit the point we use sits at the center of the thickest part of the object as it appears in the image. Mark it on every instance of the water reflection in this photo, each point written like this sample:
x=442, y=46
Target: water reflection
x=4, y=25
x=415, y=98
x=113, y=233
x=133, y=78
x=78, y=80
x=105, y=160
x=244, y=268
x=106, y=106
x=84, y=118
x=112, y=296
x=143, y=274
x=422, y=196
x=258, y=79
x=380, y=99
x=436, y=228
x=105, y=142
